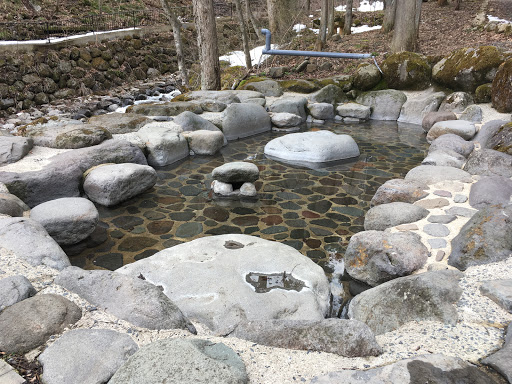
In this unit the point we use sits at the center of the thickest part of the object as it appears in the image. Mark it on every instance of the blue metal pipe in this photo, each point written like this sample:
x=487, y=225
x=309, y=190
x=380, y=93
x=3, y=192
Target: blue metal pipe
x=337, y=55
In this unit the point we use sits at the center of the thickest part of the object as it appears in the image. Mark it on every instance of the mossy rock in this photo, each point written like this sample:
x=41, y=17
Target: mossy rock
x=467, y=68
x=407, y=70
x=483, y=93
x=501, y=93
x=228, y=75
x=502, y=140
x=252, y=79
x=366, y=77
x=300, y=86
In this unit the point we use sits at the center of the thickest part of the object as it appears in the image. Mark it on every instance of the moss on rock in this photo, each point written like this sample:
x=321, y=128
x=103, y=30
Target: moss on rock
x=501, y=93
x=467, y=68
x=300, y=86
x=407, y=70
x=483, y=93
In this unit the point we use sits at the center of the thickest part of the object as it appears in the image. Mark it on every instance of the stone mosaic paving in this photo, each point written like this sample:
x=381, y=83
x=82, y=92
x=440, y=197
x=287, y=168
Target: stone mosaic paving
x=313, y=210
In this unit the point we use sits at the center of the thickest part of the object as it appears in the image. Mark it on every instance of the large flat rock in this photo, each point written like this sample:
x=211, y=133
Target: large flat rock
x=271, y=280
x=313, y=147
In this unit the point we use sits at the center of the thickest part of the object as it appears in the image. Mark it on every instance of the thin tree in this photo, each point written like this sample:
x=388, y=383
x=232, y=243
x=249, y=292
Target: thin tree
x=243, y=31
x=347, y=27
x=388, y=24
x=330, y=18
x=250, y=17
x=308, y=6
x=282, y=14
x=407, y=23
x=323, y=22
x=207, y=42
x=176, y=31
x=457, y=4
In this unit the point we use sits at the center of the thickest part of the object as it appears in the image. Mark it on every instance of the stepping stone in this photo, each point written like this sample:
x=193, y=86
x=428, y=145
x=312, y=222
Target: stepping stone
x=86, y=356
x=68, y=220
x=236, y=172
x=461, y=211
x=29, y=323
x=392, y=214
x=14, y=289
x=460, y=199
x=438, y=202
x=462, y=128
x=437, y=243
x=441, y=219
x=442, y=193
x=436, y=230
x=499, y=291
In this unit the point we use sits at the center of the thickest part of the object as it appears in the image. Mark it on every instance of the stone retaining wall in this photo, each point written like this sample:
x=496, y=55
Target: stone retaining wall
x=49, y=73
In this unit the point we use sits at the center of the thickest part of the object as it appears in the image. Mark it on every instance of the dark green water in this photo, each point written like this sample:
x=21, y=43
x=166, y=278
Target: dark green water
x=313, y=210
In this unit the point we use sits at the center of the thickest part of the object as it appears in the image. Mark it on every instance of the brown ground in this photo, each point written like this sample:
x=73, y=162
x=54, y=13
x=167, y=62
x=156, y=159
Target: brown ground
x=442, y=30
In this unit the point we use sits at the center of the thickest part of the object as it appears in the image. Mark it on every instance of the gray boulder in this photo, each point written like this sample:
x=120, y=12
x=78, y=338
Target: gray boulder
x=431, y=174
x=488, y=162
x=399, y=190
x=182, y=361
x=14, y=148
x=14, y=289
x=65, y=134
x=366, y=77
x=119, y=123
x=494, y=190
x=488, y=131
x=63, y=176
x=349, y=338
x=434, y=117
x=204, y=142
x=37, y=246
x=390, y=215
x=68, y=220
x=86, y=356
x=354, y=110
x=456, y=102
x=226, y=97
x=427, y=296
x=321, y=111
x=314, y=147
x=29, y=323
x=447, y=158
x=236, y=172
x=452, y=142
x=418, y=106
x=501, y=140
x=111, y=184
x=285, y=119
x=462, y=128
x=189, y=121
x=217, y=266
x=165, y=145
x=246, y=96
x=385, y=105
x=290, y=104
x=499, y=291
x=212, y=105
x=500, y=360
x=165, y=109
x=242, y=120
x=422, y=369
x=11, y=205
x=484, y=239
x=472, y=113
x=331, y=94
x=375, y=257
x=269, y=88
x=130, y=298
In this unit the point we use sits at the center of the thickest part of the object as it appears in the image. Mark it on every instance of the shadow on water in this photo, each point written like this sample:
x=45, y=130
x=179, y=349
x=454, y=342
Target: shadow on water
x=315, y=211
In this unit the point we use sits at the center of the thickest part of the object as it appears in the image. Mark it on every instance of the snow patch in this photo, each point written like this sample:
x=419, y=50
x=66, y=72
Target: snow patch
x=365, y=6
x=494, y=18
x=237, y=58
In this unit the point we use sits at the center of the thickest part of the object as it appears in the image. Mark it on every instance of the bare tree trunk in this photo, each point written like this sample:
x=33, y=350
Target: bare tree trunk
x=245, y=38
x=405, y=36
x=207, y=42
x=388, y=24
x=330, y=18
x=323, y=21
x=282, y=14
x=457, y=5
x=308, y=6
x=176, y=31
x=442, y=3
x=347, y=27
x=250, y=17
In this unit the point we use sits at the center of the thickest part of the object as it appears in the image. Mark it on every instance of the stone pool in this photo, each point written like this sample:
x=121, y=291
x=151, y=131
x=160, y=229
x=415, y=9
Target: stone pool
x=315, y=211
